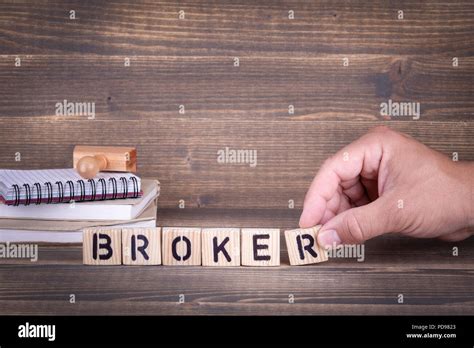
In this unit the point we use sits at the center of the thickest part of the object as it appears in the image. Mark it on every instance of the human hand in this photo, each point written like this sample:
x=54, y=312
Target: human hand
x=388, y=182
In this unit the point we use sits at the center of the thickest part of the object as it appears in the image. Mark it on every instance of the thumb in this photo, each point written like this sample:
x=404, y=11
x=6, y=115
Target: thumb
x=356, y=225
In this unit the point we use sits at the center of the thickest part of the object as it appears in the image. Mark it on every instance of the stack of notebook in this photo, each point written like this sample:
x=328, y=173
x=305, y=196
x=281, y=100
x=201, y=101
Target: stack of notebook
x=55, y=205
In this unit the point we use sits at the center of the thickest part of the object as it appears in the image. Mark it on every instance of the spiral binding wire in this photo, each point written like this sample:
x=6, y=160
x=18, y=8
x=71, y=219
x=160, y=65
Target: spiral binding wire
x=71, y=190
x=72, y=194
x=82, y=185
x=93, y=189
x=50, y=192
x=125, y=186
x=114, y=187
x=60, y=191
x=17, y=195
x=135, y=187
x=27, y=194
x=104, y=189
x=38, y=192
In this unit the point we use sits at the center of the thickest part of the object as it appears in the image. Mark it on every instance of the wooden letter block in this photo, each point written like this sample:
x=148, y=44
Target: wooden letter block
x=182, y=246
x=141, y=246
x=260, y=247
x=102, y=246
x=221, y=247
x=303, y=246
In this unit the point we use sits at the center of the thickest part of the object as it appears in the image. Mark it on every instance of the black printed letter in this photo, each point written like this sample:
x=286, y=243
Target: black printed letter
x=308, y=248
x=220, y=247
x=257, y=247
x=96, y=246
x=140, y=249
x=188, y=248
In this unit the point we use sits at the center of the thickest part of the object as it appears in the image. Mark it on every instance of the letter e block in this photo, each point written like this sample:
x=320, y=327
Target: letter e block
x=181, y=246
x=221, y=247
x=303, y=247
x=102, y=246
x=260, y=247
x=141, y=246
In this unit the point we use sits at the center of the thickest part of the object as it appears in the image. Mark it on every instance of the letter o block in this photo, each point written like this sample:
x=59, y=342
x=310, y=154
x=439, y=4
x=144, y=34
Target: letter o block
x=221, y=247
x=303, y=247
x=181, y=246
x=260, y=247
x=102, y=246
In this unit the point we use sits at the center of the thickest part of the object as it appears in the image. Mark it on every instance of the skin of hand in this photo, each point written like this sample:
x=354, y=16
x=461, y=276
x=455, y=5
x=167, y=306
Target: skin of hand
x=388, y=182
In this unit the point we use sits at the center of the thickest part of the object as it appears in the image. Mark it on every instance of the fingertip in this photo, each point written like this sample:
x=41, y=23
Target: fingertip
x=305, y=219
x=329, y=239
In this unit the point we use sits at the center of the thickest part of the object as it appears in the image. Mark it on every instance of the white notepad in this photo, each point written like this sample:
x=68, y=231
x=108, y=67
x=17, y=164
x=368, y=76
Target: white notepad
x=27, y=187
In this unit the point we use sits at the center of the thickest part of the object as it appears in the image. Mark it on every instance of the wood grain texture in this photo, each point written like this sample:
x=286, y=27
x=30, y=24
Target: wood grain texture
x=432, y=280
x=181, y=246
x=318, y=86
x=107, y=246
x=303, y=248
x=220, y=247
x=182, y=154
x=260, y=247
x=236, y=27
x=141, y=246
x=190, y=62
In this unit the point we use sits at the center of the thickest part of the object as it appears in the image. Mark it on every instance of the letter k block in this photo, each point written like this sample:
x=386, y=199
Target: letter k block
x=221, y=247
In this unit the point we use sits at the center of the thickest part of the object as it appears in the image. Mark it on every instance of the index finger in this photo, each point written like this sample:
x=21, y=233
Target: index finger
x=360, y=158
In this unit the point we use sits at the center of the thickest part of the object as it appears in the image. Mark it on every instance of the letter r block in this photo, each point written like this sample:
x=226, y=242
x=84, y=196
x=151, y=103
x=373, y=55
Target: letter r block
x=181, y=246
x=221, y=247
x=260, y=247
x=141, y=246
x=102, y=246
x=303, y=248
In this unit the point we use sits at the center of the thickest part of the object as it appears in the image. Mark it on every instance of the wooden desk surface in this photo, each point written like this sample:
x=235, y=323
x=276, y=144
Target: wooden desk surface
x=431, y=280
x=190, y=62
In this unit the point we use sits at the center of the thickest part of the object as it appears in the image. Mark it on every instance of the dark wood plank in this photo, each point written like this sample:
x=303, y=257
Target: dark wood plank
x=424, y=271
x=262, y=88
x=182, y=153
x=231, y=28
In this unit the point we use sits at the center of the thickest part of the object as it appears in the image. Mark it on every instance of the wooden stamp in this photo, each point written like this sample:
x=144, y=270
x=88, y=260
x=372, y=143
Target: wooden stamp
x=303, y=246
x=89, y=160
x=141, y=246
x=260, y=247
x=102, y=246
x=220, y=246
x=181, y=246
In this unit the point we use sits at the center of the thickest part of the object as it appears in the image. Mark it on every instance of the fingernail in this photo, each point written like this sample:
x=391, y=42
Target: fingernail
x=329, y=239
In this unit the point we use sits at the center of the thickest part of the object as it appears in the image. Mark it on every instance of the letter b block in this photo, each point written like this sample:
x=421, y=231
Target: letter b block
x=303, y=247
x=221, y=247
x=181, y=246
x=260, y=247
x=141, y=246
x=102, y=246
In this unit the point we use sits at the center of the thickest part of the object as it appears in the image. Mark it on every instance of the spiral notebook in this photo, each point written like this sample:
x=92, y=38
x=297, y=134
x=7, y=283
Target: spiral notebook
x=25, y=187
x=98, y=210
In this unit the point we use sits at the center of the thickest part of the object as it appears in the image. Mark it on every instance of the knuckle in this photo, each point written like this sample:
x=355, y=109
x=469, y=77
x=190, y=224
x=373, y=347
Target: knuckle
x=381, y=129
x=355, y=232
x=327, y=163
